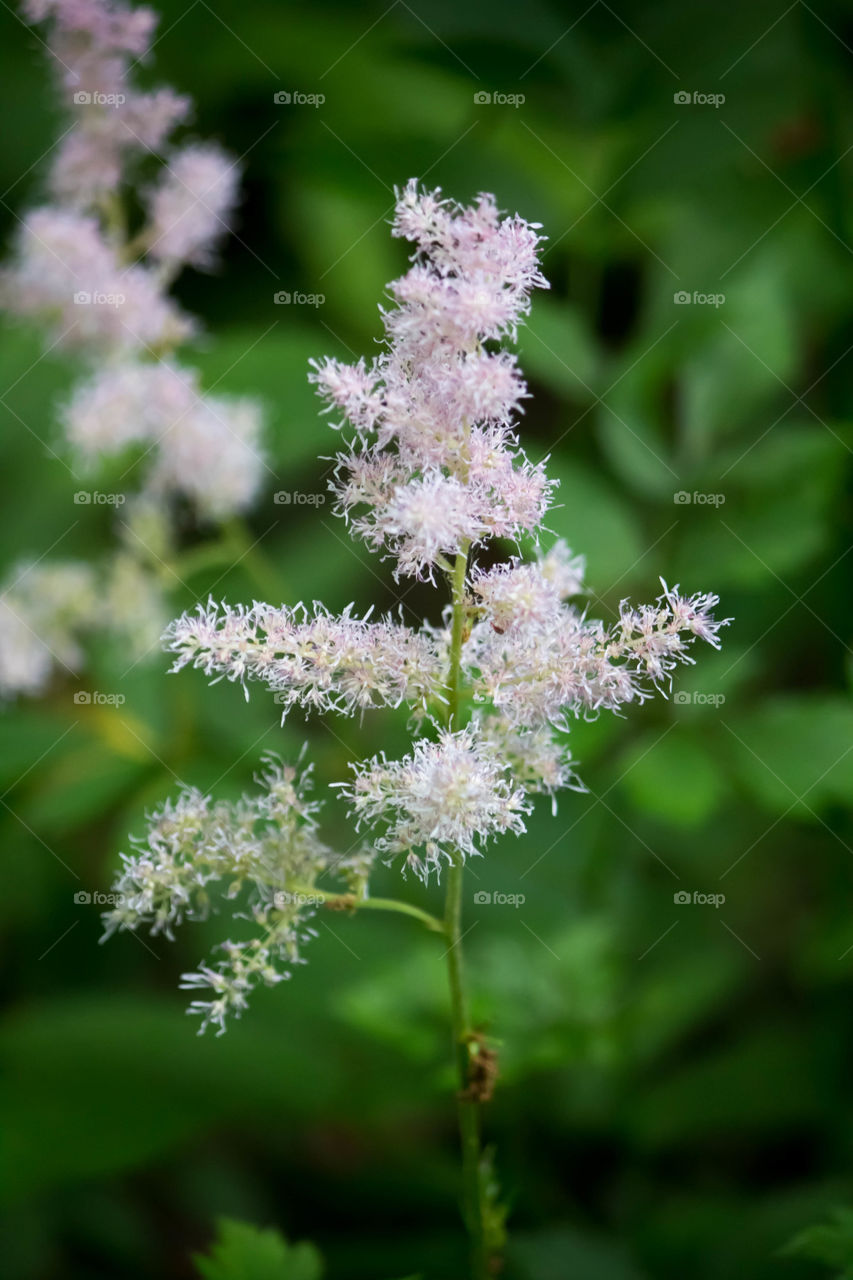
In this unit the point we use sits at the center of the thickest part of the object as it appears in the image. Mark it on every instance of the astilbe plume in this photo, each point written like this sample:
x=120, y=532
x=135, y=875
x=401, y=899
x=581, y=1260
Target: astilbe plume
x=431, y=471
x=263, y=852
x=101, y=289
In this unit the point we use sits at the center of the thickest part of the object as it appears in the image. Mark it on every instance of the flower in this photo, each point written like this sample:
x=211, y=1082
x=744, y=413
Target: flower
x=44, y=609
x=206, y=448
x=310, y=658
x=539, y=661
x=434, y=457
x=199, y=854
x=431, y=470
x=69, y=276
x=190, y=206
x=441, y=801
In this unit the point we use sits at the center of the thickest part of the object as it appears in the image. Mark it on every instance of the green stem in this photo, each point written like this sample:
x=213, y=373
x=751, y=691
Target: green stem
x=352, y=902
x=468, y=1109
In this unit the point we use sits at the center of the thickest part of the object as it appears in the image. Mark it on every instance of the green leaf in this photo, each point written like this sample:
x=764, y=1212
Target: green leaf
x=831, y=1242
x=244, y=1252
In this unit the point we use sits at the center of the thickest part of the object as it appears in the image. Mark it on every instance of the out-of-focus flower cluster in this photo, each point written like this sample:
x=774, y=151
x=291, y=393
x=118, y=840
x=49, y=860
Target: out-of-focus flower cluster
x=48, y=608
x=99, y=286
x=434, y=470
x=259, y=858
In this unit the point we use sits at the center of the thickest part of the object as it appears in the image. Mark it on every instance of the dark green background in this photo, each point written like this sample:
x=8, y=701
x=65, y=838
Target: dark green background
x=677, y=1094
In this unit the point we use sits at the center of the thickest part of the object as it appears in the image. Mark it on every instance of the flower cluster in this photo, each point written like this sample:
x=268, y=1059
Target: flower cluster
x=78, y=271
x=43, y=610
x=445, y=799
x=262, y=852
x=311, y=658
x=48, y=608
x=98, y=284
x=433, y=470
x=434, y=465
x=539, y=660
x=207, y=448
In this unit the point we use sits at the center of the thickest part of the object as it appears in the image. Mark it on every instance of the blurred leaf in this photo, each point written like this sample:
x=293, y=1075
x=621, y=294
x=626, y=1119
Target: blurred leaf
x=244, y=1252
x=831, y=1243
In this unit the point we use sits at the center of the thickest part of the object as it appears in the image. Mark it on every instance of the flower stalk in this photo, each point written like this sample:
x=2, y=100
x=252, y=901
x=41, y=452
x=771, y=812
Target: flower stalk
x=467, y=1106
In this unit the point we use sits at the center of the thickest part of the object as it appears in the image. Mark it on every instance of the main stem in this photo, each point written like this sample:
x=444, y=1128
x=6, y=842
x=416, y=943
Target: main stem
x=469, y=1120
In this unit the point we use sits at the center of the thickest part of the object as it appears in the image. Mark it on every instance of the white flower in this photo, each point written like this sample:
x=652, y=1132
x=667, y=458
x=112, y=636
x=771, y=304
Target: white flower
x=311, y=658
x=441, y=801
x=197, y=855
x=191, y=204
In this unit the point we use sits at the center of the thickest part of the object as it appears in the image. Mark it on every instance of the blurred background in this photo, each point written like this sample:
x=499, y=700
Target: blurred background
x=676, y=1095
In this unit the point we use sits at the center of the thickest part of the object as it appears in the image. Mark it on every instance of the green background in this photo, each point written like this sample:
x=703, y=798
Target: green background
x=676, y=1095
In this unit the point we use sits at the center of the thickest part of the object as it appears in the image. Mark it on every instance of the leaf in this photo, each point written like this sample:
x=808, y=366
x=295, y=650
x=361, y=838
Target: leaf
x=830, y=1242
x=244, y=1252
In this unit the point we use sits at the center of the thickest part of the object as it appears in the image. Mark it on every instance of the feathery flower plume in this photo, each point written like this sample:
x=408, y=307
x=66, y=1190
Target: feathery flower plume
x=101, y=289
x=431, y=471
